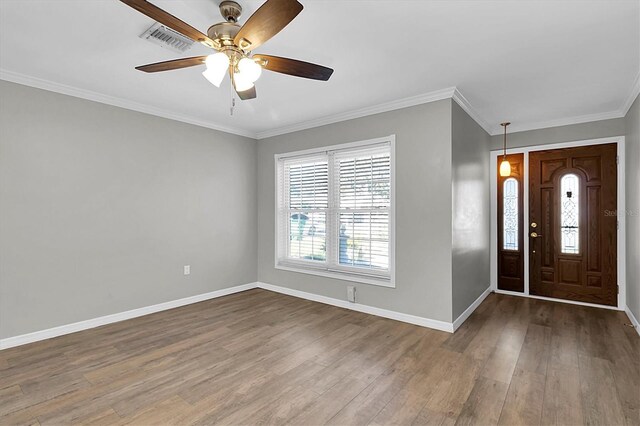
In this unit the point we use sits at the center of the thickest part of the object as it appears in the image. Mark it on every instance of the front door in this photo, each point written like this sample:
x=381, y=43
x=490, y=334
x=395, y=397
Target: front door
x=572, y=226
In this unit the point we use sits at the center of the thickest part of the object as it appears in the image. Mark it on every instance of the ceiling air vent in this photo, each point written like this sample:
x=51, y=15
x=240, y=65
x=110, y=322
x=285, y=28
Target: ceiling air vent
x=167, y=38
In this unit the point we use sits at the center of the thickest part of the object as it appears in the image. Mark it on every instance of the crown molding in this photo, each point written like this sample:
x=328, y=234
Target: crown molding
x=448, y=93
x=362, y=112
x=515, y=128
x=39, y=83
x=115, y=101
x=619, y=113
x=466, y=106
x=635, y=91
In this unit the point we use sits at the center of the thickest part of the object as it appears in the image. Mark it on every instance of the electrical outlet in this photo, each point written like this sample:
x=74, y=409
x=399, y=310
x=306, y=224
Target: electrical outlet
x=187, y=269
x=351, y=293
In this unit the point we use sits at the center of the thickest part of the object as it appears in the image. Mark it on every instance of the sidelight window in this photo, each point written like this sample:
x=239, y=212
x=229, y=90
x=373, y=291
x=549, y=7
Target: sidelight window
x=570, y=214
x=510, y=214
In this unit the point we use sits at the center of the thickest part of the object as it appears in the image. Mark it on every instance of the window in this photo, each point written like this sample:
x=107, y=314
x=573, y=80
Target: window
x=510, y=214
x=307, y=186
x=334, y=211
x=570, y=214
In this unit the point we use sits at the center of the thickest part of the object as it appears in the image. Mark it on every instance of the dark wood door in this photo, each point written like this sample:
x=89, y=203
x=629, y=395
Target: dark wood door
x=510, y=226
x=573, y=230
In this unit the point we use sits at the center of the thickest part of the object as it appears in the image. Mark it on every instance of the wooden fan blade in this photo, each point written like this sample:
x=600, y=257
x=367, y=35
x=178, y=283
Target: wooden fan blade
x=173, y=64
x=294, y=67
x=266, y=22
x=169, y=20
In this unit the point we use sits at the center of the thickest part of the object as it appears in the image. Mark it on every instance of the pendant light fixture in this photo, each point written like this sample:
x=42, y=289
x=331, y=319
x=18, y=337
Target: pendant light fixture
x=505, y=167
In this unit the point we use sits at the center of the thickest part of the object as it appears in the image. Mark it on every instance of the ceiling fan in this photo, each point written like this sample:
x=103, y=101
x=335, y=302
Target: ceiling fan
x=234, y=44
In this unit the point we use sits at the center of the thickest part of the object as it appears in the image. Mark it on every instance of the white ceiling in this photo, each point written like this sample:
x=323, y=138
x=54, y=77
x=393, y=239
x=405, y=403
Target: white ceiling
x=535, y=63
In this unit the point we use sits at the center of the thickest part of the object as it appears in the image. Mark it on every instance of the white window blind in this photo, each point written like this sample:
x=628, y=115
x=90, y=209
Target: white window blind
x=307, y=191
x=334, y=211
x=363, y=187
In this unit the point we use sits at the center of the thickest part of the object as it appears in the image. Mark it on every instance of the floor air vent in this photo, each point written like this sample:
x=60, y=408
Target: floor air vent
x=167, y=38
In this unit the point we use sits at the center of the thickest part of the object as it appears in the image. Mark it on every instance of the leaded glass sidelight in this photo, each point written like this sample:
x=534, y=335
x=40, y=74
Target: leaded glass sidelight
x=570, y=214
x=510, y=214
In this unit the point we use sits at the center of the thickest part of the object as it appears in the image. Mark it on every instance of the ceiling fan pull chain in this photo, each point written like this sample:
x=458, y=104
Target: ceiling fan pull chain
x=233, y=98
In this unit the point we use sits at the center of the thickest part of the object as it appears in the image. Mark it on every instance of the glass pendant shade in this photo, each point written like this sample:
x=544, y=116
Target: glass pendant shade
x=249, y=69
x=217, y=66
x=242, y=83
x=505, y=168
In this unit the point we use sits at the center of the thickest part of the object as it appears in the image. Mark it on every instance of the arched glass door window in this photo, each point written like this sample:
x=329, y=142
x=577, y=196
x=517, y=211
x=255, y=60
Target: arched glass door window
x=570, y=214
x=510, y=214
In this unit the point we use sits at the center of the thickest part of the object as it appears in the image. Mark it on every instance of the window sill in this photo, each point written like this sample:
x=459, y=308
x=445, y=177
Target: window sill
x=381, y=282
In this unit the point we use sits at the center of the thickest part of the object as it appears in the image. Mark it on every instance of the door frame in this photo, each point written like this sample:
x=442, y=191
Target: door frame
x=621, y=208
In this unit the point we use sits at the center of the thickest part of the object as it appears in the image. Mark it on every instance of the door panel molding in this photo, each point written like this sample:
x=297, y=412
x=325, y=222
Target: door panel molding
x=621, y=232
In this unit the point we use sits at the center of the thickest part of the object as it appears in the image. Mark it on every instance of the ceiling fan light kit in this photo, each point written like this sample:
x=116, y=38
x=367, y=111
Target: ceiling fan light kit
x=217, y=66
x=234, y=44
x=250, y=69
x=241, y=82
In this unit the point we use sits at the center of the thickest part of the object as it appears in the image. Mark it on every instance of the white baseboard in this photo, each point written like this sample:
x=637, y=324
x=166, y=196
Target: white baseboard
x=385, y=313
x=467, y=313
x=23, y=339
x=633, y=319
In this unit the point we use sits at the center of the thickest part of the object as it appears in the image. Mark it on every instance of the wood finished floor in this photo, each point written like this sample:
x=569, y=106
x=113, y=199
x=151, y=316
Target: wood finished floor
x=259, y=357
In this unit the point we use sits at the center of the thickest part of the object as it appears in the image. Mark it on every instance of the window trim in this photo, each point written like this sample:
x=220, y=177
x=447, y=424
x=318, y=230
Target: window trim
x=344, y=273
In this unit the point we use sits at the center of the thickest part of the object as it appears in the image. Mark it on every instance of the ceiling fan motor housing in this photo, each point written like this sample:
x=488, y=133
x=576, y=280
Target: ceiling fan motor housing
x=223, y=34
x=230, y=10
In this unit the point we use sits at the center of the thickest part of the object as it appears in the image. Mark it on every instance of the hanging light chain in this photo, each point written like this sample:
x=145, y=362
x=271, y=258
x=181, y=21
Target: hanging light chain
x=505, y=141
x=232, y=91
x=504, y=125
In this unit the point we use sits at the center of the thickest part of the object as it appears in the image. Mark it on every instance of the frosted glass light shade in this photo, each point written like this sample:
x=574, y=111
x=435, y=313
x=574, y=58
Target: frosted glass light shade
x=241, y=82
x=217, y=66
x=249, y=69
x=505, y=168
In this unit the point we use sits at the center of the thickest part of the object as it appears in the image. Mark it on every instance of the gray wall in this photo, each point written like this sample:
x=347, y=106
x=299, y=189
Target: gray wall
x=471, y=210
x=574, y=132
x=423, y=208
x=632, y=140
x=100, y=208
